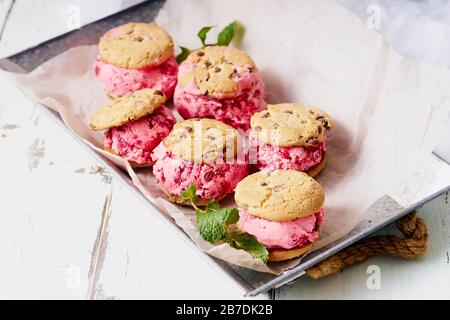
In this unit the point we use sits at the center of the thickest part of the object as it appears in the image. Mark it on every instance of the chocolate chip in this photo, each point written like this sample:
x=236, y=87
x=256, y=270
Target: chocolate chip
x=312, y=141
x=200, y=53
x=288, y=111
x=159, y=93
x=311, y=112
x=319, y=129
x=188, y=129
x=266, y=115
x=217, y=69
x=324, y=122
x=207, y=63
x=263, y=184
x=139, y=39
x=258, y=128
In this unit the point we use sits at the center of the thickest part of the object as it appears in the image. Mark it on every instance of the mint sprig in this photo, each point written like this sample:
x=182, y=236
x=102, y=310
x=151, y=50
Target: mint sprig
x=203, y=32
x=224, y=38
x=214, y=224
x=227, y=34
x=190, y=194
x=250, y=244
x=183, y=54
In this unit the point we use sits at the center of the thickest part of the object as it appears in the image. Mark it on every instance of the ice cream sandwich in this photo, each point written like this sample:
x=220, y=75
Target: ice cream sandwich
x=221, y=83
x=283, y=209
x=134, y=125
x=203, y=152
x=289, y=136
x=136, y=56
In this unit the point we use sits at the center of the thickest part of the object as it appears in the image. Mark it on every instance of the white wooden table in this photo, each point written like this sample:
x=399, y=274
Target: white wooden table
x=68, y=229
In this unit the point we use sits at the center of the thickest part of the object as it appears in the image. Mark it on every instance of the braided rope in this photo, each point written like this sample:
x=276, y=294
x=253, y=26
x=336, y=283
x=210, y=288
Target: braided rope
x=413, y=245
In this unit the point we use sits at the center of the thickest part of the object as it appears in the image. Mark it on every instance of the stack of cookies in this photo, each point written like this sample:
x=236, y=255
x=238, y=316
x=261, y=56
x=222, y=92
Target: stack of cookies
x=220, y=95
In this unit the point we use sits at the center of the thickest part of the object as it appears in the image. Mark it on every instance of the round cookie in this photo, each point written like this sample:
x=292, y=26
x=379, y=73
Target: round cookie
x=215, y=69
x=291, y=125
x=203, y=140
x=276, y=255
x=126, y=109
x=281, y=195
x=136, y=45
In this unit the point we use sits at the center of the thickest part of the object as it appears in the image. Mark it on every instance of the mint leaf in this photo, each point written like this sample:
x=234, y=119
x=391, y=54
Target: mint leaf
x=212, y=205
x=202, y=34
x=213, y=224
x=250, y=244
x=226, y=35
x=189, y=193
x=183, y=55
x=232, y=215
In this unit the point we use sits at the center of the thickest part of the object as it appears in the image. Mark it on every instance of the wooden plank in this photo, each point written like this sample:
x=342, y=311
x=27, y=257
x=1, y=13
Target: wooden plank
x=50, y=211
x=142, y=258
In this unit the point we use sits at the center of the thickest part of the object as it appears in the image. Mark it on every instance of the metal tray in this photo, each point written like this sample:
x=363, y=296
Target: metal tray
x=251, y=283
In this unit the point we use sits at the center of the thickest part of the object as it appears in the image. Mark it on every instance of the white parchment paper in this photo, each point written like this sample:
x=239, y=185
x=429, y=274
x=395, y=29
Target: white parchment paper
x=388, y=111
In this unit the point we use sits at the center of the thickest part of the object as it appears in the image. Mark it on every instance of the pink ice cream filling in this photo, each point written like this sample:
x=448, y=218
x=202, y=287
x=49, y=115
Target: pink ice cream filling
x=122, y=82
x=269, y=157
x=212, y=180
x=135, y=141
x=282, y=234
x=235, y=111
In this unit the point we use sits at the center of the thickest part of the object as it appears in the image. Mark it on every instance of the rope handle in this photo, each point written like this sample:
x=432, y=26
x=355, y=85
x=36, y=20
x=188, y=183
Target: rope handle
x=413, y=245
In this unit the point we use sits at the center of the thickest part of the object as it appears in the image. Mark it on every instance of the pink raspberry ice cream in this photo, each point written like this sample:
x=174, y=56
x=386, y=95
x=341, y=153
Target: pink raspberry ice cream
x=120, y=82
x=211, y=179
x=282, y=234
x=135, y=141
x=234, y=109
x=269, y=158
